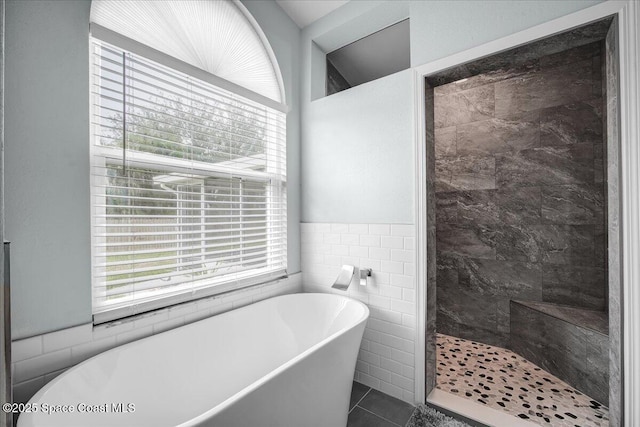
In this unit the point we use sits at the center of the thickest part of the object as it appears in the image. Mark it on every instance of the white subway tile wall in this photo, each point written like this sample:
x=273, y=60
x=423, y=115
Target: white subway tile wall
x=37, y=360
x=386, y=359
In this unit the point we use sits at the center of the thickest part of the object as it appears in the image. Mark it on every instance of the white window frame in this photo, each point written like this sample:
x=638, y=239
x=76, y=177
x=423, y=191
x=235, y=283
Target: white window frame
x=99, y=155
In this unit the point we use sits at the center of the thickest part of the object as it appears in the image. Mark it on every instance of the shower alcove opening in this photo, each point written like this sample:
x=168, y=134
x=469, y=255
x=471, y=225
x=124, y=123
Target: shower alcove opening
x=520, y=146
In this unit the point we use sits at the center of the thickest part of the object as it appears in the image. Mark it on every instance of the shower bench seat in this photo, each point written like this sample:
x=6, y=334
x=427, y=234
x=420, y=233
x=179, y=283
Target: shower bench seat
x=572, y=343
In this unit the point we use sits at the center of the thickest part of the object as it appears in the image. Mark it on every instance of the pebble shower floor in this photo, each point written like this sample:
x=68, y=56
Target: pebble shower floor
x=505, y=381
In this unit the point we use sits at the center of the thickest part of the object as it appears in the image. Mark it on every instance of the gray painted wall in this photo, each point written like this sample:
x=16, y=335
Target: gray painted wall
x=284, y=37
x=47, y=156
x=47, y=164
x=435, y=35
x=438, y=29
x=358, y=159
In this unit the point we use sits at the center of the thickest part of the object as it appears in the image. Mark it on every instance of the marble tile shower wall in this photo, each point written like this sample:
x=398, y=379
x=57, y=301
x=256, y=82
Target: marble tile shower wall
x=386, y=359
x=520, y=196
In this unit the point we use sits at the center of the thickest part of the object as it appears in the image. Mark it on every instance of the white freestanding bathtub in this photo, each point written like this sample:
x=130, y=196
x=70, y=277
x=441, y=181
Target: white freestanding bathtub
x=285, y=361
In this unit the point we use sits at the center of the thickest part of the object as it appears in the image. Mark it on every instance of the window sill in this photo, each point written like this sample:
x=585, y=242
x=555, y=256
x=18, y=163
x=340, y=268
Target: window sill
x=205, y=306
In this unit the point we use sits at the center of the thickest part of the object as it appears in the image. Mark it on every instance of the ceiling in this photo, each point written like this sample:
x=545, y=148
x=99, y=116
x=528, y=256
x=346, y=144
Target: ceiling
x=305, y=12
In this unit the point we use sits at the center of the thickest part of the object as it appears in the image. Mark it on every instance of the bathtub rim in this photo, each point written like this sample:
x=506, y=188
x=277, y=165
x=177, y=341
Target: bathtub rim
x=289, y=363
x=253, y=386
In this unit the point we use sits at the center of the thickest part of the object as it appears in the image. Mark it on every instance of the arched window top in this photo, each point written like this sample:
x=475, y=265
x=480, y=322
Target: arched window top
x=220, y=37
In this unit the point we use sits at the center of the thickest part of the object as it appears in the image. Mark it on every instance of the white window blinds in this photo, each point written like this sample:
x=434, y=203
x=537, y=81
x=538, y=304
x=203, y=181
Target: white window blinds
x=188, y=187
x=219, y=37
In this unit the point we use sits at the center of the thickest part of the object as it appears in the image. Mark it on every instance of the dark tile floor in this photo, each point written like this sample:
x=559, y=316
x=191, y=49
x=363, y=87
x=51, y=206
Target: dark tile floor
x=372, y=408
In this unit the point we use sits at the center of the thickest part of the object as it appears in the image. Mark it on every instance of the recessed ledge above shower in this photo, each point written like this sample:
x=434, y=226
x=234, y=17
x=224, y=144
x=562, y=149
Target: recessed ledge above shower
x=372, y=59
x=361, y=62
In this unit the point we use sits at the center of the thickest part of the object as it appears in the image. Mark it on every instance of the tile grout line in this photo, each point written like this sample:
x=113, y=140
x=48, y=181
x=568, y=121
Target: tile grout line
x=380, y=416
x=386, y=248
x=358, y=402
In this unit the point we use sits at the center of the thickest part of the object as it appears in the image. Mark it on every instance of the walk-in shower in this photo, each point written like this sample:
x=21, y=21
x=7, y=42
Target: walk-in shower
x=519, y=186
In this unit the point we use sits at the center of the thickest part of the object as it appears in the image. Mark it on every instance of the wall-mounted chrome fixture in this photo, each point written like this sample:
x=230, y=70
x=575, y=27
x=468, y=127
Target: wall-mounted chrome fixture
x=365, y=273
x=344, y=278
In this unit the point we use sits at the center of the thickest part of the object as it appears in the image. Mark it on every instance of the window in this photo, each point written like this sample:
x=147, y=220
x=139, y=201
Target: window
x=188, y=186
